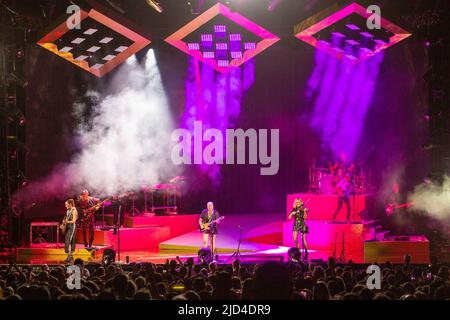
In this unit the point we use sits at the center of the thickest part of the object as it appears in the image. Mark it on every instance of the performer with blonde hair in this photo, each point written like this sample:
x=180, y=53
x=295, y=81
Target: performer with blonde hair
x=299, y=213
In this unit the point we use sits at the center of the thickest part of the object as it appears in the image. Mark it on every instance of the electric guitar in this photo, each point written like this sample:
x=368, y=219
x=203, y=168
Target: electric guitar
x=89, y=212
x=206, y=226
x=63, y=225
x=390, y=208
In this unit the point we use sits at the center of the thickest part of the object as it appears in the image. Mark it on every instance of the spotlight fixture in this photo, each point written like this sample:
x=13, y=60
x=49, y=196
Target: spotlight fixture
x=222, y=38
x=351, y=40
x=102, y=44
x=155, y=5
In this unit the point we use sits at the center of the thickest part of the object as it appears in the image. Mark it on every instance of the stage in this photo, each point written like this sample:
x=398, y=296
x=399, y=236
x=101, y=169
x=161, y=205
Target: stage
x=260, y=237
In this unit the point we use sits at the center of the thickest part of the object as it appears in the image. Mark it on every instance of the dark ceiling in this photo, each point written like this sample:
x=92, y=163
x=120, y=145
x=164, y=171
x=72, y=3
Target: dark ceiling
x=177, y=12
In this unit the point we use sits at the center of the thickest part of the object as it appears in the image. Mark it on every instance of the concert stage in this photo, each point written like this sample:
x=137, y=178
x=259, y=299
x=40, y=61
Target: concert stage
x=264, y=237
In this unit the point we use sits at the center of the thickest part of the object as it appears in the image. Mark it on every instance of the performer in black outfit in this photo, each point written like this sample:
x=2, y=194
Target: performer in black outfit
x=87, y=217
x=209, y=233
x=344, y=190
x=118, y=206
x=70, y=220
x=299, y=214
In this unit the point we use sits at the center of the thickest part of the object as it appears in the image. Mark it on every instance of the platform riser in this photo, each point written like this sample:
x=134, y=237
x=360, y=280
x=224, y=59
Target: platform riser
x=322, y=207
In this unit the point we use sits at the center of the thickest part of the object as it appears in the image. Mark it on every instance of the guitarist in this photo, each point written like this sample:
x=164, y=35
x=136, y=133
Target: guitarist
x=87, y=207
x=69, y=228
x=209, y=215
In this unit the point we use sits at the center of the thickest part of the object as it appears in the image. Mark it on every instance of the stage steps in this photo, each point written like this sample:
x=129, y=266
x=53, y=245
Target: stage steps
x=54, y=252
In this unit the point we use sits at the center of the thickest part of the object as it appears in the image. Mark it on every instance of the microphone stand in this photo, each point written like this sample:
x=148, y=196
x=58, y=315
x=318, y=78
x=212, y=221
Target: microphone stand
x=103, y=217
x=118, y=232
x=237, y=253
x=342, y=256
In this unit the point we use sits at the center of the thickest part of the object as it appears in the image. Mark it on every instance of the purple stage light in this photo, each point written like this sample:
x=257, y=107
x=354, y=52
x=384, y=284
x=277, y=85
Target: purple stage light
x=351, y=48
x=208, y=55
x=365, y=53
x=221, y=46
x=207, y=37
x=307, y=29
x=351, y=57
x=221, y=51
x=220, y=31
x=236, y=54
x=342, y=92
x=380, y=43
x=352, y=27
x=220, y=9
x=367, y=40
x=249, y=46
x=223, y=63
x=352, y=43
x=235, y=37
x=367, y=35
x=337, y=39
x=220, y=28
x=236, y=43
x=193, y=46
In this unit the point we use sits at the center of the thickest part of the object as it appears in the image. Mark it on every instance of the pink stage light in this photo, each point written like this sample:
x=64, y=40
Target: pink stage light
x=268, y=39
x=306, y=30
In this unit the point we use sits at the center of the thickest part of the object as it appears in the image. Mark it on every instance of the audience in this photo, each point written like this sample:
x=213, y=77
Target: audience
x=177, y=280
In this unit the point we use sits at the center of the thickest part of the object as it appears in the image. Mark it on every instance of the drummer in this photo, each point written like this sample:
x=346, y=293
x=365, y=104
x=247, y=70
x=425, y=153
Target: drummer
x=342, y=166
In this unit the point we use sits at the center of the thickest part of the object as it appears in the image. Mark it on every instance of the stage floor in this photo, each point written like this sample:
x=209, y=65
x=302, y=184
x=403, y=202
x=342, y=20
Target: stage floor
x=263, y=237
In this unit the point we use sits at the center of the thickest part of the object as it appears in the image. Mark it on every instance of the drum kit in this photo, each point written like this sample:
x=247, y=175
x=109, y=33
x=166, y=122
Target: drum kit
x=324, y=180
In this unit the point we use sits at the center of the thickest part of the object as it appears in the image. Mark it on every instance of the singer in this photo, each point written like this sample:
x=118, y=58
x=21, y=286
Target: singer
x=299, y=214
